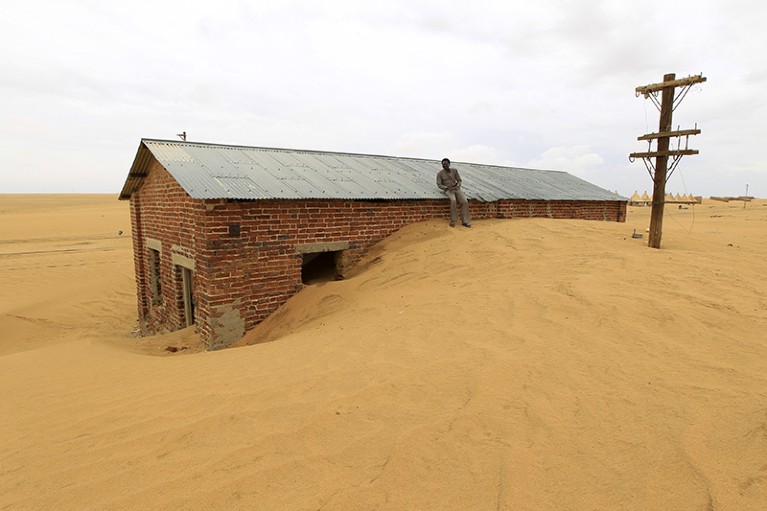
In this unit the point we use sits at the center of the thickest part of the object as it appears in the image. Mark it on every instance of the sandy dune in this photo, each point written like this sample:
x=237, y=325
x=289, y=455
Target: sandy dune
x=525, y=364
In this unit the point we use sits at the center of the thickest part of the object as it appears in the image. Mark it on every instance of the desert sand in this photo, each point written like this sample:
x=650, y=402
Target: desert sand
x=525, y=364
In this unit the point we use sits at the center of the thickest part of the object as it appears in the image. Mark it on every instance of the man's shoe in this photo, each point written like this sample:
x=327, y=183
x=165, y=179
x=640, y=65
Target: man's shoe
x=452, y=224
x=466, y=225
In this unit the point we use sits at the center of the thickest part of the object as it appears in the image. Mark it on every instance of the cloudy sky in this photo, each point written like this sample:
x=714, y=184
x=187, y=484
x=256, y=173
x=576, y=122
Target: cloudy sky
x=545, y=84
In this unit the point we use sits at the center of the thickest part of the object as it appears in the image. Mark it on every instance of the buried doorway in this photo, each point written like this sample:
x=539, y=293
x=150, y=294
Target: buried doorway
x=319, y=267
x=184, y=271
x=320, y=261
x=188, y=296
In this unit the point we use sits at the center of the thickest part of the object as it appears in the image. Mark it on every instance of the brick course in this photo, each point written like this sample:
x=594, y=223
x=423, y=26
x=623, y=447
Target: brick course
x=244, y=252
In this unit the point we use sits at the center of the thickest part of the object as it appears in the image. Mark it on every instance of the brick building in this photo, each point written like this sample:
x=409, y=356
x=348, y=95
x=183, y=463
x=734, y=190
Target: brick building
x=224, y=235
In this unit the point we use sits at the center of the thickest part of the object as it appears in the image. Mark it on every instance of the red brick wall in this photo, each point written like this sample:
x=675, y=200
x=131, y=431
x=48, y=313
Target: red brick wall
x=161, y=210
x=246, y=263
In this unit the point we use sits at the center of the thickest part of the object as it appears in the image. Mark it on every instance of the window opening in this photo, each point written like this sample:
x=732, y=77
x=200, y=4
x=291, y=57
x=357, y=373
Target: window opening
x=319, y=267
x=155, y=276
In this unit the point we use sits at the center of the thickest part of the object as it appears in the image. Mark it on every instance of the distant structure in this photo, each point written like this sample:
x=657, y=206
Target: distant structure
x=744, y=198
x=223, y=235
x=645, y=200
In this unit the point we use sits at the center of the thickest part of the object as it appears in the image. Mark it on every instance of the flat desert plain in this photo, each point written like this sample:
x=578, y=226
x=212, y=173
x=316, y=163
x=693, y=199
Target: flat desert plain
x=525, y=364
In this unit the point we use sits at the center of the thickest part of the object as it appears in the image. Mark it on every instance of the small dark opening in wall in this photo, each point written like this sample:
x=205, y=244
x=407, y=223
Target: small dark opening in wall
x=318, y=267
x=155, y=276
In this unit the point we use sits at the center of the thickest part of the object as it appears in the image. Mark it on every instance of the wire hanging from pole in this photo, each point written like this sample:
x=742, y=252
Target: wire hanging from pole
x=687, y=192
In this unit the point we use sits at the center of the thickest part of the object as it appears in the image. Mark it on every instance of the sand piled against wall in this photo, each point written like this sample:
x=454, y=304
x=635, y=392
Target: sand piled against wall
x=522, y=364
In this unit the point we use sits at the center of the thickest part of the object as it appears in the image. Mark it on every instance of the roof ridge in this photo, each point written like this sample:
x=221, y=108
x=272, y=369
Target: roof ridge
x=287, y=149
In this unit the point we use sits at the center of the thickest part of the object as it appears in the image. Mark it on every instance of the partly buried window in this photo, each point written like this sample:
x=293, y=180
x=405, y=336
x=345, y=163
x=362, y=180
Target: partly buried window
x=319, y=261
x=319, y=267
x=155, y=276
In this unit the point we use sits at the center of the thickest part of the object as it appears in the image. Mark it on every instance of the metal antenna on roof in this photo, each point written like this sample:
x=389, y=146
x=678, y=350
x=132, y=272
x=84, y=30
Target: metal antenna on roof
x=182, y=135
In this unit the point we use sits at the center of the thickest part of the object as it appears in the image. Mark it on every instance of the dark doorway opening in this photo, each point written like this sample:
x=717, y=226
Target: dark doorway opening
x=188, y=296
x=319, y=267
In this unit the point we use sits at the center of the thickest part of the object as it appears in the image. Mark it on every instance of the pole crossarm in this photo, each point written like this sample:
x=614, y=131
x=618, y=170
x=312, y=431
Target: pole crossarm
x=669, y=134
x=673, y=152
x=690, y=80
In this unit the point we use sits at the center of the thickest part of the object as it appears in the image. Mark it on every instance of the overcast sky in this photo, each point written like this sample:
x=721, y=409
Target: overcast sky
x=540, y=84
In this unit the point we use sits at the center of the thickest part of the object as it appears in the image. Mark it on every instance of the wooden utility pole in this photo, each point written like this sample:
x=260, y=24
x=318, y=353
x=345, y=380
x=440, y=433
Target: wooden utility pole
x=659, y=171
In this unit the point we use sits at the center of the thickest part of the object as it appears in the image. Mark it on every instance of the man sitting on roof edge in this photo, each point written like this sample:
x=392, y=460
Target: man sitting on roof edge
x=449, y=181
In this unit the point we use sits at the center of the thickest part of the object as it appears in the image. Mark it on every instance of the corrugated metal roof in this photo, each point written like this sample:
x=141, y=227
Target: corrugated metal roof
x=211, y=171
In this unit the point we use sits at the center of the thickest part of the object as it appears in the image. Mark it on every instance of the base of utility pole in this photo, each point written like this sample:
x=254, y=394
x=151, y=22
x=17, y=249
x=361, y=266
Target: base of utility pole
x=656, y=219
